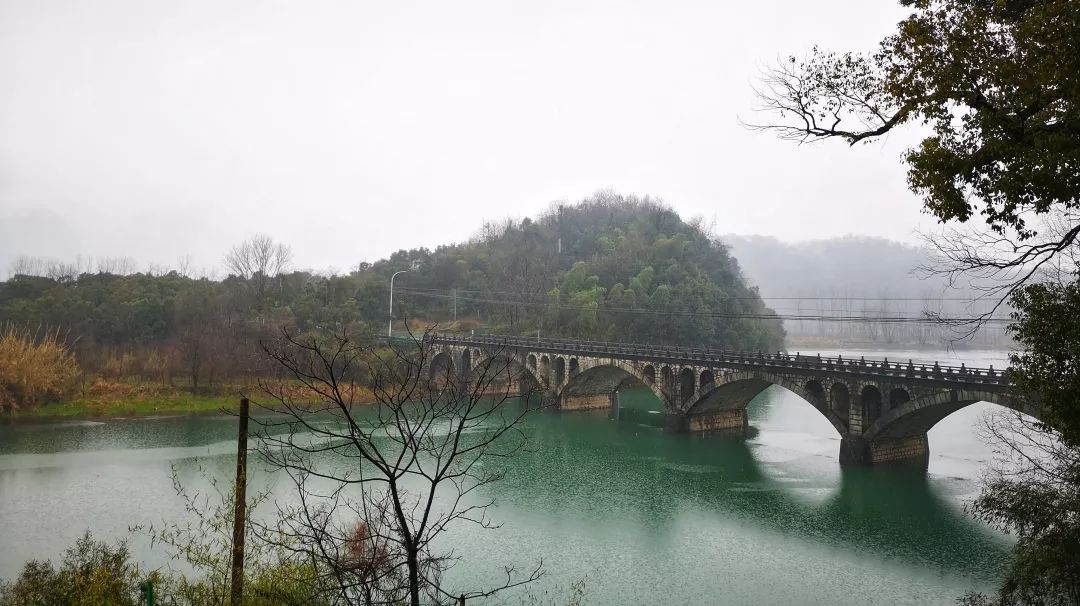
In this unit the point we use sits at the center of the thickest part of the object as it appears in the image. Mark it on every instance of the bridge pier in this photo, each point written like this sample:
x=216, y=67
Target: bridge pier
x=714, y=422
x=676, y=422
x=498, y=387
x=731, y=421
x=856, y=451
x=593, y=401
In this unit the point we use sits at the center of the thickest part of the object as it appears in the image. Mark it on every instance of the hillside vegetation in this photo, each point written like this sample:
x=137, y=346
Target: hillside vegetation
x=607, y=268
x=610, y=268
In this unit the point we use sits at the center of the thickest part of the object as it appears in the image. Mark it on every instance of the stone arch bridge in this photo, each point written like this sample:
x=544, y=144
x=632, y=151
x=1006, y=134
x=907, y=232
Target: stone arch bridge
x=882, y=410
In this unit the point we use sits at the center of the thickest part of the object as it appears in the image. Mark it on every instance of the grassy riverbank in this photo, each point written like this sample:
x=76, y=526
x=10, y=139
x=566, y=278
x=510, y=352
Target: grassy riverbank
x=130, y=407
x=102, y=400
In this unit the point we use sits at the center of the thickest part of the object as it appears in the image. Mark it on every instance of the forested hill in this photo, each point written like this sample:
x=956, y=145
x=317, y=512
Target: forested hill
x=610, y=267
x=607, y=268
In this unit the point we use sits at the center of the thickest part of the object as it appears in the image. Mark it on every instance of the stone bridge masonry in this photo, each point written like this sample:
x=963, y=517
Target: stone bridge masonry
x=882, y=410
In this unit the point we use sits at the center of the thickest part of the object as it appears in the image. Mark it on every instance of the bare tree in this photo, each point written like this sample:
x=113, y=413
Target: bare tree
x=24, y=265
x=998, y=263
x=378, y=484
x=184, y=266
x=198, y=326
x=259, y=260
x=120, y=266
x=46, y=267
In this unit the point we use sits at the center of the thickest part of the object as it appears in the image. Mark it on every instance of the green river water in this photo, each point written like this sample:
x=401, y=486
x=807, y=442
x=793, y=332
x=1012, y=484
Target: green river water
x=645, y=517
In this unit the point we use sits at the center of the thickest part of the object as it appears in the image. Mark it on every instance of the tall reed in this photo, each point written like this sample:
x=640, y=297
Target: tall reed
x=34, y=367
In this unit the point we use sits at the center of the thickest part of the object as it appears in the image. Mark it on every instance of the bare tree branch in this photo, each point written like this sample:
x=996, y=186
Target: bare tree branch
x=826, y=96
x=377, y=484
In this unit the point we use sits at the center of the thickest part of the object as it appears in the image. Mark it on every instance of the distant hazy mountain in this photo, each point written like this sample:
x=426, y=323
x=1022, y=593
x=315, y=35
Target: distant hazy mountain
x=849, y=266
x=856, y=276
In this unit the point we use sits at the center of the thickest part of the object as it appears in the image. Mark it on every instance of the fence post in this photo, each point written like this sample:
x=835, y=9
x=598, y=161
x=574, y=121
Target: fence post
x=240, y=512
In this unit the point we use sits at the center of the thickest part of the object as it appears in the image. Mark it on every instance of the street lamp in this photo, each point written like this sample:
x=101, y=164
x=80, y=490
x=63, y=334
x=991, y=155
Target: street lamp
x=390, y=329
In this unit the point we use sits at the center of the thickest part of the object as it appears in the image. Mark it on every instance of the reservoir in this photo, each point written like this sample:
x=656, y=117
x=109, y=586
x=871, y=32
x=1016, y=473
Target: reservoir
x=642, y=516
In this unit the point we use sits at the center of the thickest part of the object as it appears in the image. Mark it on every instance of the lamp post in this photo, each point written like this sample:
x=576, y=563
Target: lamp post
x=390, y=328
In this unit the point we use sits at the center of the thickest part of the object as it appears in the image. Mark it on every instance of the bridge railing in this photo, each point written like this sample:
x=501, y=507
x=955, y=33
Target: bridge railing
x=698, y=355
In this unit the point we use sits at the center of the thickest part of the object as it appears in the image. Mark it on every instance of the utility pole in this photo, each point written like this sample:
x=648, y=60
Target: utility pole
x=558, y=223
x=240, y=512
x=455, y=304
x=390, y=329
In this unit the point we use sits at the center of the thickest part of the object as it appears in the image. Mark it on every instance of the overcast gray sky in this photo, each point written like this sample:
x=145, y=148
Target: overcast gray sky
x=349, y=129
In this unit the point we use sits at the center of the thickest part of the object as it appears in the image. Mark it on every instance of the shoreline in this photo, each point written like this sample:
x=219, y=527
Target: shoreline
x=131, y=408
x=125, y=408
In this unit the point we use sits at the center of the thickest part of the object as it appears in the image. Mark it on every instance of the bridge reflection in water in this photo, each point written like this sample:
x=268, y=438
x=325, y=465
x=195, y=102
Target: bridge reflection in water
x=644, y=513
x=757, y=513
x=881, y=410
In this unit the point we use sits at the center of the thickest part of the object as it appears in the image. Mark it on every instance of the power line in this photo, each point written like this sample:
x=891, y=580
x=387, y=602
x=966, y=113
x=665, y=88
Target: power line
x=762, y=298
x=713, y=315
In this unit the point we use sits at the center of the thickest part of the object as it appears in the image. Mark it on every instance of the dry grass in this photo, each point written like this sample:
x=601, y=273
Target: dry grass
x=418, y=326
x=105, y=398
x=39, y=368
x=34, y=367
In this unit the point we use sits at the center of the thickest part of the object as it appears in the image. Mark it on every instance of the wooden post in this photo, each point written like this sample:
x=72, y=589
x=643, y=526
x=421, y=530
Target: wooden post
x=239, y=514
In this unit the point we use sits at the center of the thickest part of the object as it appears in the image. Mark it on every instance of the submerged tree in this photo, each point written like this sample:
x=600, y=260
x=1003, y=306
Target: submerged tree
x=998, y=84
x=377, y=484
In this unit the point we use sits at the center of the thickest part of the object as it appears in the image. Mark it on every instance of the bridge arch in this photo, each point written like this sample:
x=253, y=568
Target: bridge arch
x=506, y=365
x=687, y=383
x=870, y=400
x=667, y=380
x=560, y=371
x=897, y=397
x=918, y=416
x=442, y=365
x=609, y=377
x=840, y=400
x=736, y=389
x=815, y=393
x=706, y=381
x=466, y=361
x=530, y=362
x=648, y=375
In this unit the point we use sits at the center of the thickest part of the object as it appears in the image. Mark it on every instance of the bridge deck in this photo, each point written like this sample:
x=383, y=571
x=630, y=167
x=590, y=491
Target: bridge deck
x=939, y=374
